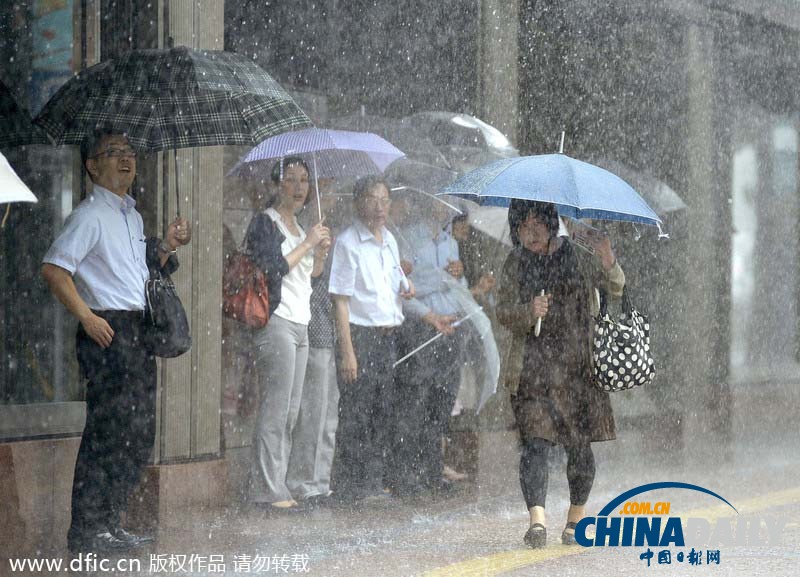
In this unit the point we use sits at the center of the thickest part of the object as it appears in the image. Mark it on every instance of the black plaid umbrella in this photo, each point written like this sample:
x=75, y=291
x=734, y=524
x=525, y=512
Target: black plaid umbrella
x=16, y=128
x=172, y=98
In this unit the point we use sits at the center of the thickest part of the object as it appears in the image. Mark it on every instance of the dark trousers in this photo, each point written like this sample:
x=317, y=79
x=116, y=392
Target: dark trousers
x=426, y=387
x=534, y=472
x=365, y=415
x=120, y=423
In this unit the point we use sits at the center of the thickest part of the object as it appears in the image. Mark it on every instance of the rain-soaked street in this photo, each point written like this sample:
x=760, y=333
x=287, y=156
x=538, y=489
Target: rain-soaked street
x=479, y=533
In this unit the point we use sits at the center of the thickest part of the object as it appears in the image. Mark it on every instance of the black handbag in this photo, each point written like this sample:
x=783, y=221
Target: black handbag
x=621, y=348
x=167, y=331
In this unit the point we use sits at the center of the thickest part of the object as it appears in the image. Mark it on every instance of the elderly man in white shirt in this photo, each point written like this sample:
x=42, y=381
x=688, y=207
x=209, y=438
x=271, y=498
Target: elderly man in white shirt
x=367, y=285
x=97, y=267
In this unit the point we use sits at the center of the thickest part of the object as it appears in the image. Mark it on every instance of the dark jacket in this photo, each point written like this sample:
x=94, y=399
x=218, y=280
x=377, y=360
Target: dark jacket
x=562, y=412
x=263, y=245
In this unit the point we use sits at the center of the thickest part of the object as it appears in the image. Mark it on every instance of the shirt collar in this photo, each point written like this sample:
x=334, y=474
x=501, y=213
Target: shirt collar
x=123, y=204
x=364, y=234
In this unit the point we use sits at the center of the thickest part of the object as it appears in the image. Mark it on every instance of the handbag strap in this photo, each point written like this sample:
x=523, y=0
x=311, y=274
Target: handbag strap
x=627, y=307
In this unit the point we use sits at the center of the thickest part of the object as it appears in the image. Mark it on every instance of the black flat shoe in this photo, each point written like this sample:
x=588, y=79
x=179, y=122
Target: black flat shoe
x=568, y=536
x=99, y=543
x=536, y=536
x=129, y=537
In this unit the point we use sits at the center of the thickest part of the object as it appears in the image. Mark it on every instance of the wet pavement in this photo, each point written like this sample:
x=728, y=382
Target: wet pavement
x=473, y=532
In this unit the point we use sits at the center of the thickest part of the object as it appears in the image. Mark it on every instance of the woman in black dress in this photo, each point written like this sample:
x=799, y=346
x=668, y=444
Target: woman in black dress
x=549, y=375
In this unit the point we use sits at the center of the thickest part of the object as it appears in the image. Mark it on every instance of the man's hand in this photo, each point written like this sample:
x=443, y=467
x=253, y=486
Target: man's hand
x=348, y=367
x=442, y=323
x=486, y=283
x=98, y=330
x=411, y=292
x=179, y=233
x=455, y=268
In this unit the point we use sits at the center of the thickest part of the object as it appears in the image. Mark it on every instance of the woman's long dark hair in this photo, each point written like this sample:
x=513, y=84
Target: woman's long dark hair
x=519, y=211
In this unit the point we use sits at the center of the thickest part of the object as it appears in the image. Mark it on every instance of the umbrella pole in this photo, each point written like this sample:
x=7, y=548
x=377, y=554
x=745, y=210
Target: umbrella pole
x=561, y=146
x=458, y=323
x=316, y=187
x=5, y=217
x=177, y=193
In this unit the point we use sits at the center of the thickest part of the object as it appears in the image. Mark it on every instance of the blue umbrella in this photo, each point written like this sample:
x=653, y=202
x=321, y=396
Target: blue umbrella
x=579, y=189
x=332, y=153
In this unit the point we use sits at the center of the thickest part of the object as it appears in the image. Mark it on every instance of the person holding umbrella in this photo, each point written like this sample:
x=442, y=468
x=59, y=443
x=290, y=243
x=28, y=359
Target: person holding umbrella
x=290, y=257
x=97, y=267
x=546, y=280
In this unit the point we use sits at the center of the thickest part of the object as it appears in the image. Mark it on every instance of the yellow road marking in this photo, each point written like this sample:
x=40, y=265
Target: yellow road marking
x=499, y=563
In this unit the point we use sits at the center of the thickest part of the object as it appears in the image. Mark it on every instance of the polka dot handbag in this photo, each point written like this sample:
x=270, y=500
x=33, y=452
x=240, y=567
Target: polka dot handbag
x=621, y=348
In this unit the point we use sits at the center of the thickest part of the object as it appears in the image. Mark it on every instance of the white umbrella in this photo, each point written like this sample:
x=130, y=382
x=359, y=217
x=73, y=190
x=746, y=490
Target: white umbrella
x=12, y=189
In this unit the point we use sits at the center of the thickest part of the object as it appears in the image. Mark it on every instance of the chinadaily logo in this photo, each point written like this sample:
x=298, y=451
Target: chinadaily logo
x=664, y=535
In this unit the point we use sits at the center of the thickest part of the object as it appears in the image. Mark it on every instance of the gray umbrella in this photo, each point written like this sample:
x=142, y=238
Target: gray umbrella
x=658, y=194
x=465, y=141
x=419, y=175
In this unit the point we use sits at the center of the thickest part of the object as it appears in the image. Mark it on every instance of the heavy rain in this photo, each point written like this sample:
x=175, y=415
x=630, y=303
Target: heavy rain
x=386, y=288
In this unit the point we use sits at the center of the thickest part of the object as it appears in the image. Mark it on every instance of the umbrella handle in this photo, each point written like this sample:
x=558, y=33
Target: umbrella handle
x=538, y=327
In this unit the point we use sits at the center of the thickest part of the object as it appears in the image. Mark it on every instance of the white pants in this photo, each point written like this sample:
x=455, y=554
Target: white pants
x=314, y=434
x=281, y=357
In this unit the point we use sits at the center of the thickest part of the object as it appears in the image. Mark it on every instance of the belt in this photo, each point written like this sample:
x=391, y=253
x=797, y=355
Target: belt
x=381, y=330
x=119, y=315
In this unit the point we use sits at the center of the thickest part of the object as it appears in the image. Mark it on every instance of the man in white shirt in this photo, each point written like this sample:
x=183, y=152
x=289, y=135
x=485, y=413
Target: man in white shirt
x=367, y=284
x=97, y=267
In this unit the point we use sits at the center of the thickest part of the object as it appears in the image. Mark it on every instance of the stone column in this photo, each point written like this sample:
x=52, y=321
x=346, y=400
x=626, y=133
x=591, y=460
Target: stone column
x=498, y=73
x=707, y=397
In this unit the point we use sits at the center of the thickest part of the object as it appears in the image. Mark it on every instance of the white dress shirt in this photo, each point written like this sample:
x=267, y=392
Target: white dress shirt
x=102, y=245
x=369, y=273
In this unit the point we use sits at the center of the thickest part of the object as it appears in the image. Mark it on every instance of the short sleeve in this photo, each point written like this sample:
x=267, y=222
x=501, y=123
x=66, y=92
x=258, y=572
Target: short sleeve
x=79, y=236
x=343, y=270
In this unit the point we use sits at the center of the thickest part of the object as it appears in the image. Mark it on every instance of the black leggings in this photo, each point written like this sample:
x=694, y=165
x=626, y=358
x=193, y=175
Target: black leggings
x=533, y=472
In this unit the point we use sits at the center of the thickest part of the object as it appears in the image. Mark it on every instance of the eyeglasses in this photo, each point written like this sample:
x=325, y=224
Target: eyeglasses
x=116, y=153
x=373, y=201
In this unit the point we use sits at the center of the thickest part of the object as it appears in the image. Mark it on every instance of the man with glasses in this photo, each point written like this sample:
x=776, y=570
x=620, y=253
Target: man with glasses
x=367, y=285
x=97, y=267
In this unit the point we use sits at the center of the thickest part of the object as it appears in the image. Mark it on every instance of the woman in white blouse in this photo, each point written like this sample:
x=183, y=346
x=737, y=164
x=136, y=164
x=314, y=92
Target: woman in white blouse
x=290, y=257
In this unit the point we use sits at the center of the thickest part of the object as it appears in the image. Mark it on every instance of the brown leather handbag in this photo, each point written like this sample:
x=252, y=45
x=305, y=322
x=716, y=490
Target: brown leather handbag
x=244, y=292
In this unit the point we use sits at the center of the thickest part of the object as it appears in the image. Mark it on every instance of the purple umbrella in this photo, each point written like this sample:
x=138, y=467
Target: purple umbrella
x=330, y=153
x=335, y=153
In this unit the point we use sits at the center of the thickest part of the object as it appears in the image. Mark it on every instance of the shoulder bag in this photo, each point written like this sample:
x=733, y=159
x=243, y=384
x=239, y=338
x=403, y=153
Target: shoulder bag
x=621, y=348
x=245, y=297
x=167, y=331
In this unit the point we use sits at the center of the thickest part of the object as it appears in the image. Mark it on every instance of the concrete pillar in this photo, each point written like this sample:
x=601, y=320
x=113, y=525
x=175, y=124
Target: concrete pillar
x=706, y=397
x=498, y=74
x=190, y=392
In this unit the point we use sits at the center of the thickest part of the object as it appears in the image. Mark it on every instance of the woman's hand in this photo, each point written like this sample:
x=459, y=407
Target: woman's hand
x=599, y=242
x=317, y=234
x=321, y=250
x=541, y=305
